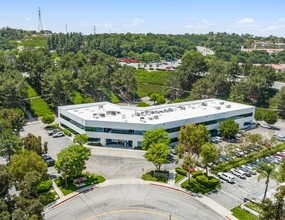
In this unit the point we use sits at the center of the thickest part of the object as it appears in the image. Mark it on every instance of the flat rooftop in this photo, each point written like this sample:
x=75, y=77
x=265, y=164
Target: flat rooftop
x=105, y=111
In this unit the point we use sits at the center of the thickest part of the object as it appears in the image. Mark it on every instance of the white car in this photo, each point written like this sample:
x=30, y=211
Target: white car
x=237, y=172
x=265, y=125
x=58, y=134
x=227, y=177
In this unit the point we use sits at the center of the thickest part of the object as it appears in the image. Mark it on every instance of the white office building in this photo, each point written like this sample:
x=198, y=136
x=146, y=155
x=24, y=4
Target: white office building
x=107, y=123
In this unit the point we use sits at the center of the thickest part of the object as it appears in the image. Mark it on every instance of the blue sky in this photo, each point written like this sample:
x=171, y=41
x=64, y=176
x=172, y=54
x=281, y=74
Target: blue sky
x=258, y=17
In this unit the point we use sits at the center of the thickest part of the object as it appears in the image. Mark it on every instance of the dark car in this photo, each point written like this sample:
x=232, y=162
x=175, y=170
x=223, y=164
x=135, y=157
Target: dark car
x=50, y=162
x=52, y=132
x=46, y=157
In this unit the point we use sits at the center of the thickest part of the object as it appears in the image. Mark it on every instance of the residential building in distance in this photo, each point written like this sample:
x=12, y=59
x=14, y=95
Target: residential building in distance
x=108, y=123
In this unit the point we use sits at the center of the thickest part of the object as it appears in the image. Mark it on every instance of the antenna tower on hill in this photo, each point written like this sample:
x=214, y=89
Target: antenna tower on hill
x=40, y=25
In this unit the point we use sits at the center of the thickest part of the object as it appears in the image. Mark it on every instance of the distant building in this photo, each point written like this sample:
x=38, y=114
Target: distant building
x=129, y=60
x=107, y=123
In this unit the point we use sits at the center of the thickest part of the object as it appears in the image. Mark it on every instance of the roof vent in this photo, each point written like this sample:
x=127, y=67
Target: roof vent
x=228, y=105
x=123, y=116
x=221, y=103
x=218, y=107
x=204, y=103
x=155, y=117
x=102, y=115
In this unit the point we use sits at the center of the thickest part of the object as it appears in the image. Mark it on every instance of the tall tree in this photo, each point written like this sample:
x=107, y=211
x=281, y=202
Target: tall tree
x=155, y=136
x=10, y=143
x=71, y=161
x=229, y=128
x=267, y=171
x=281, y=101
x=34, y=143
x=81, y=139
x=209, y=153
x=157, y=154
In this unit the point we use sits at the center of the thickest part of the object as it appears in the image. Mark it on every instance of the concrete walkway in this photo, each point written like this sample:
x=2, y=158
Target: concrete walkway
x=57, y=189
x=171, y=178
x=203, y=199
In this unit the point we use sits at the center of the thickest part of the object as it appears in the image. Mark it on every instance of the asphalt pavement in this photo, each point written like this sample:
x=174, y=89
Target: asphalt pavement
x=145, y=202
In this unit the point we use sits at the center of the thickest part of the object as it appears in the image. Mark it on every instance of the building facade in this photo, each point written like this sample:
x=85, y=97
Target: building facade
x=107, y=123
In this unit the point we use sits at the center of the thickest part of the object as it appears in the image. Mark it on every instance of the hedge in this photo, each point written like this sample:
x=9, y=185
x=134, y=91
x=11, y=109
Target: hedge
x=181, y=171
x=226, y=166
x=212, y=182
x=67, y=132
x=44, y=186
x=197, y=173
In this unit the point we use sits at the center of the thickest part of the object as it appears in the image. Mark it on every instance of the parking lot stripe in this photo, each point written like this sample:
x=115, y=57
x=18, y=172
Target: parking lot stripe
x=230, y=195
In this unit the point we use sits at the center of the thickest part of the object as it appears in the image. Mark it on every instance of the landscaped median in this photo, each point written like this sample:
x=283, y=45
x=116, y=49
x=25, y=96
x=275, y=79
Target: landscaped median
x=46, y=192
x=78, y=183
x=199, y=183
x=226, y=166
x=241, y=214
x=156, y=176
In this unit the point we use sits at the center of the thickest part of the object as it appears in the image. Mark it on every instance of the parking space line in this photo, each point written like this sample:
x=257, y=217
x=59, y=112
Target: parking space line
x=231, y=195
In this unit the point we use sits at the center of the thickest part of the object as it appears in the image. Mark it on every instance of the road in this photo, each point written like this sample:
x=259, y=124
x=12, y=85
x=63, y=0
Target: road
x=145, y=202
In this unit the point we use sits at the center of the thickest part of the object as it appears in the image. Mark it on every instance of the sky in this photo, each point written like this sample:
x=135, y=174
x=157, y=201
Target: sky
x=257, y=17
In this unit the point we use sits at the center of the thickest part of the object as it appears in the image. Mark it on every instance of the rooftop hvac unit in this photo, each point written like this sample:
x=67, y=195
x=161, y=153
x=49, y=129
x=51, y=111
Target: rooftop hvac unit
x=101, y=106
x=102, y=115
x=228, y=105
x=118, y=113
x=150, y=118
x=183, y=108
x=155, y=117
x=113, y=113
x=137, y=114
x=221, y=103
x=218, y=107
x=95, y=115
x=124, y=116
x=141, y=118
x=204, y=103
x=165, y=110
x=152, y=112
x=170, y=109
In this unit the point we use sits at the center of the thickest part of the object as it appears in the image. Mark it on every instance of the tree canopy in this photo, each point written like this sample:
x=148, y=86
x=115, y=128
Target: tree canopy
x=155, y=136
x=229, y=128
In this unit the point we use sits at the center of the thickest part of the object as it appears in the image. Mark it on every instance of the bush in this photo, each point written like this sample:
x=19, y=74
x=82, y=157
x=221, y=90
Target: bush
x=212, y=182
x=52, y=126
x=181, y=171
x=48, y=119
x=67, y=132
x=44, y=186
x=150, y=177
x=48, y=197
x=197, y=173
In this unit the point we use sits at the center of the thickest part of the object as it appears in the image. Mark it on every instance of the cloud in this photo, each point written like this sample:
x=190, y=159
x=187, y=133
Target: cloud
x=134, y=22
x=281, y=20
x=189, y=26
x=245, y=21
x=27, y=19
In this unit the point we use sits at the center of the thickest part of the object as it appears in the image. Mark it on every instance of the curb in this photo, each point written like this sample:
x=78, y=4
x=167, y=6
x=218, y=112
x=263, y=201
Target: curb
x=173, y=188
x=71, y=197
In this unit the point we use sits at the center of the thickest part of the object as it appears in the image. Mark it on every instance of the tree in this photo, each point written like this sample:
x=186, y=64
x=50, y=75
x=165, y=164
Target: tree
x=9, y=143
x=48, y=119
x=29, y=184
x=270, y=117
x=209, y=154
x=267, y=171
x=281, y=172
x=280, y=98
x=4, y=181
x=258, y=114
x=81, y=139
x=157, y=154
x=71, y=161
x=191, y=139
x=25, y=162
x=34, y=143
x=155, y=136
x=229, y=128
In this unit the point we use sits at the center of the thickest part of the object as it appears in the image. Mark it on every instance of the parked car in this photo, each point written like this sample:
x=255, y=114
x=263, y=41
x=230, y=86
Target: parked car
x=252, y=171
x=50, y=162
x=227, y=177
x=52, y=132
x=46, y=157
x=265, y=125
x=237, y=172
x=280, y=137
x=247, y=172
x=58, y=134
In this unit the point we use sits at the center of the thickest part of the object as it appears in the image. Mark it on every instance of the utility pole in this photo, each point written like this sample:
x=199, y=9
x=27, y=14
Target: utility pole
x=40, y=25
x=94, y=29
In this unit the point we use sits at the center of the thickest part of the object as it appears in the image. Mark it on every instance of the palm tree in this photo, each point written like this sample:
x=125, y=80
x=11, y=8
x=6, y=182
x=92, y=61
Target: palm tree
x=267, y=171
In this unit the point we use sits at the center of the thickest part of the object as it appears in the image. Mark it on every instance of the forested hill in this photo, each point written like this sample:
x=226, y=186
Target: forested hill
x=153, y=47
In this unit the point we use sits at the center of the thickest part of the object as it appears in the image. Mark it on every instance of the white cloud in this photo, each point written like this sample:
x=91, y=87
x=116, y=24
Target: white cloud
x=246, y=21
x=189, y=26
x=28, y=19
x=204, y=24
x=134, y=22
x=281, y=20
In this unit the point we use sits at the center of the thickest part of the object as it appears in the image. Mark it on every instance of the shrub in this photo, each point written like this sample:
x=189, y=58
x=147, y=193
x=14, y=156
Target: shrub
x=212, y=182
x=47, y=198
x=197, y=173
x=181, y=171
x=44, y=186
x=67, y=132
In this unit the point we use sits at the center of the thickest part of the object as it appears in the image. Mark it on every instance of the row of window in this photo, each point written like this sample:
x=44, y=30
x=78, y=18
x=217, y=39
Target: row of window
x=139, y=132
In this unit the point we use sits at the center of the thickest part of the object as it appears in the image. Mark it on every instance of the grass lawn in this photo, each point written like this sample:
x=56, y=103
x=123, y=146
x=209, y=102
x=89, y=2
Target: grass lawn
x=254, y=206
x=178, y=177
x=144, y=89
x=91, y=179
x=38, y=106
x=150, y=177
x=242, y=215
x=154, y=77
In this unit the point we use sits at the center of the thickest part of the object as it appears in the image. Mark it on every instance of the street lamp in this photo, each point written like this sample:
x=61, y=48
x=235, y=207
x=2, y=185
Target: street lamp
x=170, y=216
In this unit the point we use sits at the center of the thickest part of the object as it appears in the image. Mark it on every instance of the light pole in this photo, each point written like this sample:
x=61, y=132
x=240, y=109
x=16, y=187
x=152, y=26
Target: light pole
x=170, y=216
